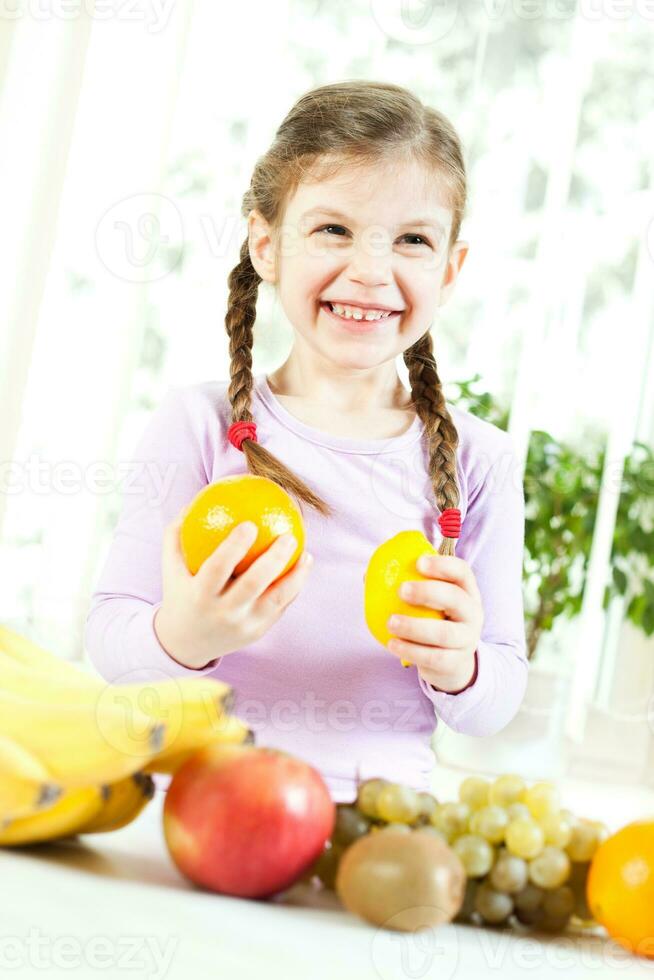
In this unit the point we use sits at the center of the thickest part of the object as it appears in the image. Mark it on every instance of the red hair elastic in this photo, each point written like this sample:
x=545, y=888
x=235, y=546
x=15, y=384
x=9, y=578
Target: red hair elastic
x=239, y=431
x=450, y=522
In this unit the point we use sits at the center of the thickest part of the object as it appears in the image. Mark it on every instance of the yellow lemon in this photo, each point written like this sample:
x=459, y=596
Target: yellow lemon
x=393, y=563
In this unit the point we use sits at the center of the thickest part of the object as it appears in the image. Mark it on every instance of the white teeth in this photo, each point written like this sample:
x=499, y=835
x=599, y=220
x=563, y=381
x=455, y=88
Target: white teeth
x=356, y=313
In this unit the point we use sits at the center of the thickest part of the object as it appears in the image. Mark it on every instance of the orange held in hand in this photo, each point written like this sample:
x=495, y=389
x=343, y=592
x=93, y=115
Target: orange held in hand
x=620, y=886
x=393, y=563
x=221, y=506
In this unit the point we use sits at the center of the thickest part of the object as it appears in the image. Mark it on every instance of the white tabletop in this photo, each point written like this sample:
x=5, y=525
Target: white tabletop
x=114, y=905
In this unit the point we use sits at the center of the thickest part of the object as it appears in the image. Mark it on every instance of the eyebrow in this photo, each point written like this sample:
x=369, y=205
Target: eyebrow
x=416, y=223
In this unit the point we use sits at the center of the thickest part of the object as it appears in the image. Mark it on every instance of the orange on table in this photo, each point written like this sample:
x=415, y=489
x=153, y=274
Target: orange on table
x=392, y=563
x=620, y=886
x=221, y=506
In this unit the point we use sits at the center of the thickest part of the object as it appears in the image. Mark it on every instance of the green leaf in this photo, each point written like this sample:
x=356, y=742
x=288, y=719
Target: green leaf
x=620, y=580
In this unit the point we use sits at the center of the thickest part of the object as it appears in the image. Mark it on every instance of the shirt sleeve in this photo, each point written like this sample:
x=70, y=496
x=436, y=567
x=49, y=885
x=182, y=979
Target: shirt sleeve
x=166, y=471
x=492, y=542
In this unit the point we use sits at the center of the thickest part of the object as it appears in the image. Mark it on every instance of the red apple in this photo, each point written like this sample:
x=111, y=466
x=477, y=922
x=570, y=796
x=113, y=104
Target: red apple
x=246, y=820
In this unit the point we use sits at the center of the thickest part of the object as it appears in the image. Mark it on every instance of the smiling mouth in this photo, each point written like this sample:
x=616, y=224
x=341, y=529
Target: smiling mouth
x=326, y=305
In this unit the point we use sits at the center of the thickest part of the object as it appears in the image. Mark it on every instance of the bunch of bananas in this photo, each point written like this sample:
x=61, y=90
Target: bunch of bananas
x=77, y=754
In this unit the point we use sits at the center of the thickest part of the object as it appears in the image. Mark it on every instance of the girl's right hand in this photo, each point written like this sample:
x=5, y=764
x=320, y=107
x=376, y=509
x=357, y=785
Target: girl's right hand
x=205, y=616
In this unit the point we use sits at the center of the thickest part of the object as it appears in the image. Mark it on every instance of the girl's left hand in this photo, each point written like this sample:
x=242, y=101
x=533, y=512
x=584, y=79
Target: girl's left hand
x=443, y=650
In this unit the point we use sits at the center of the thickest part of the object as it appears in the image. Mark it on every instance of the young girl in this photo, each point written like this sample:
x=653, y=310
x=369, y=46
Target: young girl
x=353, y=215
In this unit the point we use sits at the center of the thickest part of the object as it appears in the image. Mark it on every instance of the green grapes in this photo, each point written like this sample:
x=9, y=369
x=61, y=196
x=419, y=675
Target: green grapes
x=367, y=796
x=524, y=837
x=515, y=810
x=550, y=868
x=528, y=904
x=493, y=906
x=326, y=865
x=577, y=882
x=350, y=824
x=529, y=898
x=559, y=902
x=474, y=792
x=583, y=842
x=489, y=822
x=451, y=819
x=476, y=854
x=428, y=804
x=509, y=873
x=398, y=804
x=468, y=907
x=601, y=830
x=542, y=800
x=557, y=829
x=507, y=789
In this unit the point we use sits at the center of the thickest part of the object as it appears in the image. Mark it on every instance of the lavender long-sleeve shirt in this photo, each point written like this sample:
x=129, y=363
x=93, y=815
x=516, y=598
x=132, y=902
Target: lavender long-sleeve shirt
x=318, y=684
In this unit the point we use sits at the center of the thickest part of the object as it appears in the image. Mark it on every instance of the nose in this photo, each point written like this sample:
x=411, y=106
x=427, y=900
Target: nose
x=371, y=264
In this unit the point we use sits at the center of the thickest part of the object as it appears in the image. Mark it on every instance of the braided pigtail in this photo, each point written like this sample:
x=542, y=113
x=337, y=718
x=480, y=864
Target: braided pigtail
x=243, y=282
x=441, y=434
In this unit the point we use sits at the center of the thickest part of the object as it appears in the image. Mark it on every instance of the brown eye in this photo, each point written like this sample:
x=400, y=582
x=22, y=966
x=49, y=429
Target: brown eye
x=422, y=240
x=325, y=227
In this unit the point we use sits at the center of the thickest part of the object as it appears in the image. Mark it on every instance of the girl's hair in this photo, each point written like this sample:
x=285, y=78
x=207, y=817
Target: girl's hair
x=360, y=123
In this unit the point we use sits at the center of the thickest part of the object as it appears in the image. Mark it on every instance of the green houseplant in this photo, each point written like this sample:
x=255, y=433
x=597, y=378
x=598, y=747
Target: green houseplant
x=562, y=485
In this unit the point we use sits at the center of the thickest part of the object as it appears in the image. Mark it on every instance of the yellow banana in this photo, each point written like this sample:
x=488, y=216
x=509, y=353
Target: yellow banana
x=80, y=744
x=182, y=704
x=17, y=761
x=46, y=678
x=122, y=803
x=24, y=651
x=74, y=808
x=179, y=702
x=230, y=729
x=25, y=784
x=139, y=722
x=196, y=720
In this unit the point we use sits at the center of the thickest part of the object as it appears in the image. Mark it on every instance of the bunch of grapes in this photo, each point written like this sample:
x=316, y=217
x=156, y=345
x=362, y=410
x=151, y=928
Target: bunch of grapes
x=526, y=858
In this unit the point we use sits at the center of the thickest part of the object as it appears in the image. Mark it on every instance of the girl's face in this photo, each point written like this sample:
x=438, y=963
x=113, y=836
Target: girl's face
x=376, y=236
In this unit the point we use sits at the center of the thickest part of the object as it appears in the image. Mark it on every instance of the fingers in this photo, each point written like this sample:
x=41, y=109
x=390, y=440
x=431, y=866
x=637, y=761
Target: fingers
x=255, y=580
x=282, y=593
x=216, y=571
x=431, y=632
x=428, y=657
x=450, y=568
x=435, y=594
